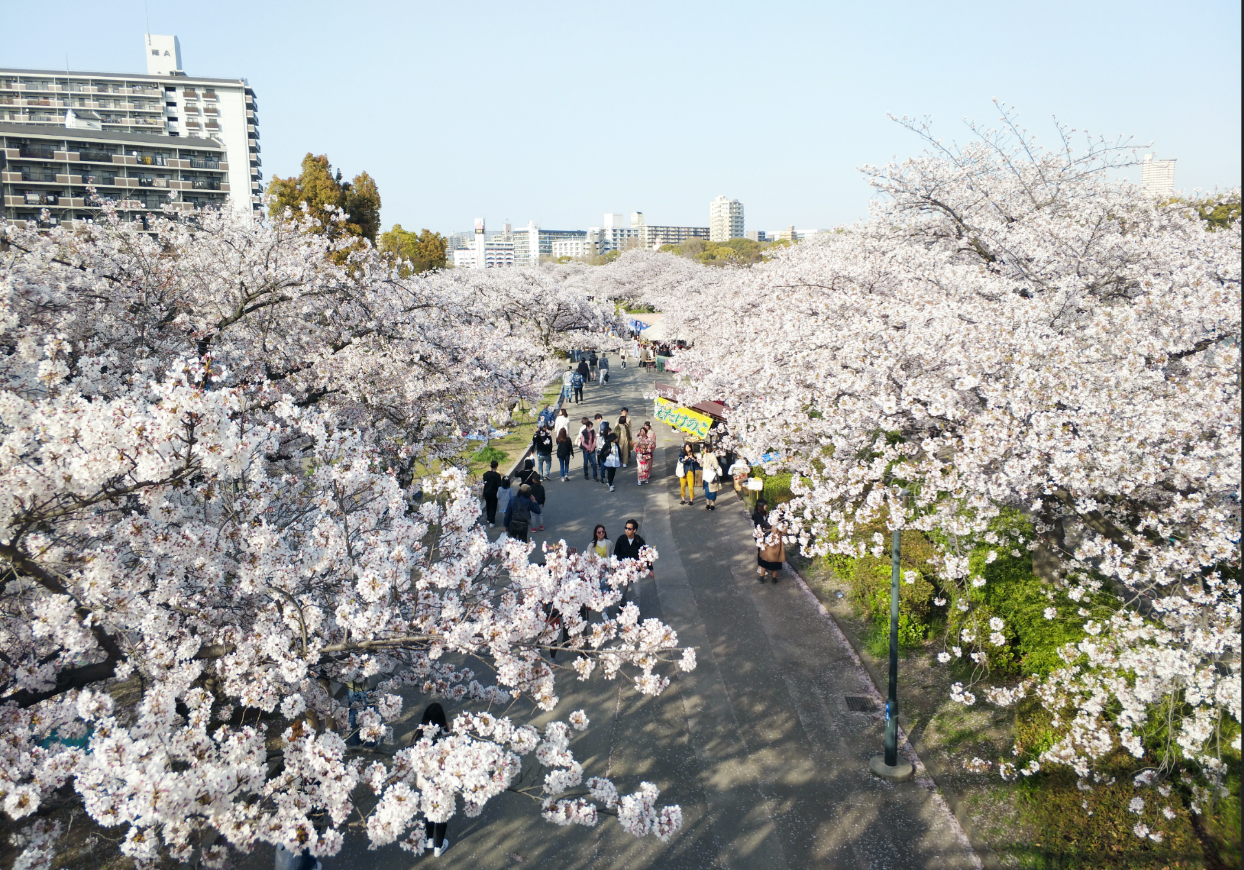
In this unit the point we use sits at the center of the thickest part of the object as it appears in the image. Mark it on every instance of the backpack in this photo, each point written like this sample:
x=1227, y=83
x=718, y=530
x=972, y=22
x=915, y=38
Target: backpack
x=522, y=511
x=577, y=380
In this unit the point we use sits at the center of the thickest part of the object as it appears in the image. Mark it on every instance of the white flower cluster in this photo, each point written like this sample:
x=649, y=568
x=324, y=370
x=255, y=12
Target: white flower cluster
x=209, y=439
x=1011, y=328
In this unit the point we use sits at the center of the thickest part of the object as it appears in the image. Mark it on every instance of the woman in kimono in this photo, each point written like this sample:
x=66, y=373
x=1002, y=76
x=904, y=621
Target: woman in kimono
x=645, y=443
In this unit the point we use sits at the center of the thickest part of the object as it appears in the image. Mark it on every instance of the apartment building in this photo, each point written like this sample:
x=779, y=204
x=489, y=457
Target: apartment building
x=1157, y=177
x=166, y=108
x=725, y=219
x=578, y=249
x=50, y=168
x=531, y=243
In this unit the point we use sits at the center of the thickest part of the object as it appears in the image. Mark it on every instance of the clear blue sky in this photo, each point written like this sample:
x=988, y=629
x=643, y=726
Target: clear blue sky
x=560, y=112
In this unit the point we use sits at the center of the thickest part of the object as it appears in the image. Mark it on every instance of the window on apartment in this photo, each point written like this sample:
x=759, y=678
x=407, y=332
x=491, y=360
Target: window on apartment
x=155, y=52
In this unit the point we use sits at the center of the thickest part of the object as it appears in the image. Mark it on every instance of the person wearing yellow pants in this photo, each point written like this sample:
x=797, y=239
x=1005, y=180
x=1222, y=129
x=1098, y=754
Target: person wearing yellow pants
x=690, y=470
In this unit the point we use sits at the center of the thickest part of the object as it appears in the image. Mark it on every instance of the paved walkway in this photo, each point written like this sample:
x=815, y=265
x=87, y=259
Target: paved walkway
x=756, y=744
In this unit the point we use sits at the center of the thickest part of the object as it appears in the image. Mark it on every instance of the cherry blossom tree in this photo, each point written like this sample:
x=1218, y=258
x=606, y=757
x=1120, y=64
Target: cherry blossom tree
x=215, y=514
x=1014, y=329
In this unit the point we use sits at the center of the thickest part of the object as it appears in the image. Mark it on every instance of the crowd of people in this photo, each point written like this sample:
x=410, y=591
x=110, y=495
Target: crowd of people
x=606, y=449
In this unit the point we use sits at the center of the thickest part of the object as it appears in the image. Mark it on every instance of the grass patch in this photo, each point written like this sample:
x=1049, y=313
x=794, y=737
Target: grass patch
x=507, y=449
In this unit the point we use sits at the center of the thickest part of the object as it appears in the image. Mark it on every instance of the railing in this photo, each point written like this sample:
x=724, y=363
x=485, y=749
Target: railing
x=204, y=164
x=96, y=156
x=152, y=160
x=30, y=175
x=206, y=184
x=191, y=94
x=43, y=152
x=42, y=199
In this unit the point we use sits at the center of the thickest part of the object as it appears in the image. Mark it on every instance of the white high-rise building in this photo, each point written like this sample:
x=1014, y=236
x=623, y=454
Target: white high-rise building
x=1157, y=177
x=725, y=219
x=162, y=112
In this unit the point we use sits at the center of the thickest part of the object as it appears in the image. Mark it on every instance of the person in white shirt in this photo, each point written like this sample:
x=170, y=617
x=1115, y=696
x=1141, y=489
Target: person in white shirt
x=566, y=379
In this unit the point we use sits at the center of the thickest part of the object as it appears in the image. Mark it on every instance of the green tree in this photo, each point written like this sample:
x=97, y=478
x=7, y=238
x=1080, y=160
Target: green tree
x=323, y=193
x=423, y=251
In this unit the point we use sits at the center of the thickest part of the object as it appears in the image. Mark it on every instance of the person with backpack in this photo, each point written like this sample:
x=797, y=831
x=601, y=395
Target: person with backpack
x=587, y=444
x=613, y=458
x=433, y=726
x=576, y=385
x=545, y=418
x=604, y=369
x=565, y=451
x=518, y=514
x=592, y=362
x=492, y=485
x=542, y=446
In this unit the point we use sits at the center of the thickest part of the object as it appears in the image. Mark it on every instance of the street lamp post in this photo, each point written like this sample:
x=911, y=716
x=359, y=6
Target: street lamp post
x=889, y=765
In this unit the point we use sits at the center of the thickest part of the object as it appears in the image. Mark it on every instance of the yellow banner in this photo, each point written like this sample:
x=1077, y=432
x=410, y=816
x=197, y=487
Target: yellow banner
x=684, y=419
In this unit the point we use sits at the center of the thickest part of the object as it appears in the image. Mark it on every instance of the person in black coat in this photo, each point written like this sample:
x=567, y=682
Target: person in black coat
x=628, y=547
x=492, y=485
x=542, y=446
x=565, y=452
x=538, y=496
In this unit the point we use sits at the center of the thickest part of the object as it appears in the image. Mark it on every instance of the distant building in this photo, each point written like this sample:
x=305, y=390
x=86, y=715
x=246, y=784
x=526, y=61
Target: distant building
x=484, y=253
x=579, y=249
x=166, y=108
x=531, y=243
x=787, y=235
x=655, y=236
x=757, y=235
x=1157, y=177
x=725, y=219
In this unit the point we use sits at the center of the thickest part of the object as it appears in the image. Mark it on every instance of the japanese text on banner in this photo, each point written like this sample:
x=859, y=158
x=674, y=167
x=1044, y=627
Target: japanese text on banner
x=684, y=419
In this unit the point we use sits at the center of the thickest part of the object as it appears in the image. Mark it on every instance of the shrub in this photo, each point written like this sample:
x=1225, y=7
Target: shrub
x=488, y=454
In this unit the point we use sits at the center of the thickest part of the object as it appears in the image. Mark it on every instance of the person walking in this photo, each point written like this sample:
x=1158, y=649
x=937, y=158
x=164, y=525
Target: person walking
x=587, y=446
x=565, y=451
x=622, y=356
x=645, y=444
x=603, y=365
x=584, y=369
x=567, y=383
x=770, y=551
x=492, y=486
x=542, y=446
x=687, y=466
x=538, y=495
x=433, y=727
x=545, y=418
x=576, y=385
x=712, y=478
x=592, y=362
x=561, y=423
x=613, y=459
x=518, y=513
x=623, y=431
x=601, y=545
x=602, y=443
x=628, y=547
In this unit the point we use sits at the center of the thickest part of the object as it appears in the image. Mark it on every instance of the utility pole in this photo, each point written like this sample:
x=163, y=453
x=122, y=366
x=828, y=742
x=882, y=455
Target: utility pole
x=889, y=765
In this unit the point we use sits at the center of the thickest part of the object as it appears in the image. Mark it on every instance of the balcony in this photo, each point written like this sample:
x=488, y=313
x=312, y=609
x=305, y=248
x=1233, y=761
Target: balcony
x=37, y=152
x=209, y=95
x=206, y=184
x=96, y=156
x=204, y=164
x=41, y=199
x=190, y=94
x=152, y=160
x=29, y=174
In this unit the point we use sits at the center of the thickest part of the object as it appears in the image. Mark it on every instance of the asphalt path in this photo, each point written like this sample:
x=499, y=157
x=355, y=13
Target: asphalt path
x=757, y=745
